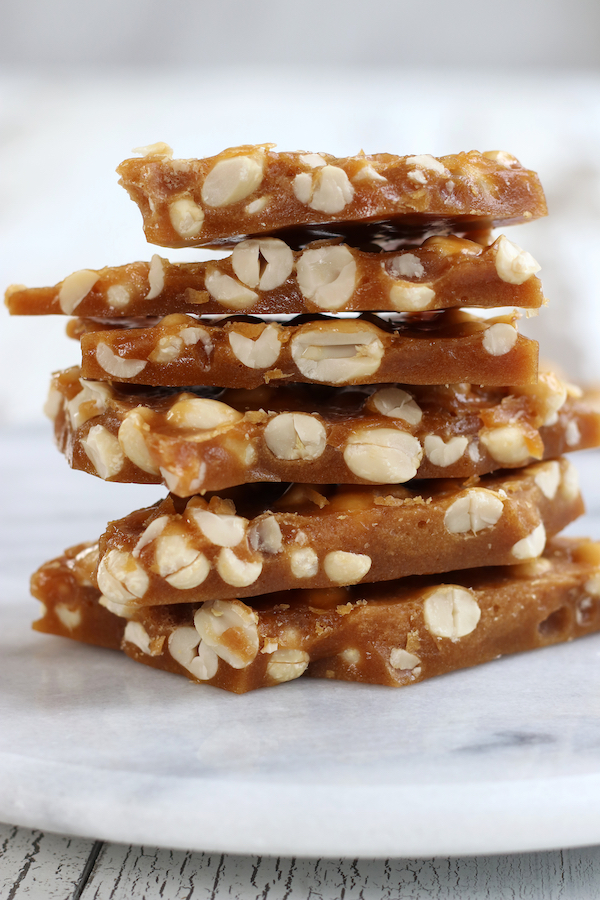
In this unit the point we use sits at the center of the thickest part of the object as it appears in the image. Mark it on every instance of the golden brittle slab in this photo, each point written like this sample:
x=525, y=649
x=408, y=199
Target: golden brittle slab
x=392, y=633
x=214, y=439
x=302, y=197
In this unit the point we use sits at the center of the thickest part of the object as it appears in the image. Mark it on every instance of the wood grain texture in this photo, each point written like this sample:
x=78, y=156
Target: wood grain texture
x=122, y=873
x=52, y=867
x=40, y=866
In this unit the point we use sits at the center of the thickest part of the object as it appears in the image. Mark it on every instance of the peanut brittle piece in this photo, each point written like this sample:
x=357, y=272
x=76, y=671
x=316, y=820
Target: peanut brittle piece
x=431, y=348
x=266, y=276
x=252, y=541
x=214, y=439
x=393, y=633
x=302, y=197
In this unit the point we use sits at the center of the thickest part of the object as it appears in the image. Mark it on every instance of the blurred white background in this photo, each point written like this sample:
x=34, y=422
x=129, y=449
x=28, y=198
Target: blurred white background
x=81, y=85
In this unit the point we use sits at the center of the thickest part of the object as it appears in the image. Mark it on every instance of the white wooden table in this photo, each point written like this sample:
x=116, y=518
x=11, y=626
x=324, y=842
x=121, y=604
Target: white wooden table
x=52, y=867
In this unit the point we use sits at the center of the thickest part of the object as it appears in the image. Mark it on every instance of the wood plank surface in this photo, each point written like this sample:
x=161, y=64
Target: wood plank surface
x=40, y=866
x=135, y=872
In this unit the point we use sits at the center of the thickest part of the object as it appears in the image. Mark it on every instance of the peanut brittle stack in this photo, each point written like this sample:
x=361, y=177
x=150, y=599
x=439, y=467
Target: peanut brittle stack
x=369, y=483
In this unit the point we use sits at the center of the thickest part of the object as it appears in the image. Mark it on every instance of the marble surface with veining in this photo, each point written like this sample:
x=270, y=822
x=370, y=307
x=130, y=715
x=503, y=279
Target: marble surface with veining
x=501, y=758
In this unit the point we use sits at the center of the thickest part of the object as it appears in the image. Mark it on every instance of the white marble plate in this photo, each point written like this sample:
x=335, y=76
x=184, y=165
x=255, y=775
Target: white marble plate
x=501, y=758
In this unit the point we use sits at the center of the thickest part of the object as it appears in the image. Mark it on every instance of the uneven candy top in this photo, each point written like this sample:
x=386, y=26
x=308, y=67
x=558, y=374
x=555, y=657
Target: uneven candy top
x=213, y=439
x=302, y=197
x=429, y=348
x=262, y=538
x=393, y=633
x=266, y=276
